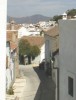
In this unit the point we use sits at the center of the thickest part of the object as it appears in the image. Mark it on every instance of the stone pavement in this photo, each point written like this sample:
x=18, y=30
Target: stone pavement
x=46, y=89
x=33, y=85
x=38, y=85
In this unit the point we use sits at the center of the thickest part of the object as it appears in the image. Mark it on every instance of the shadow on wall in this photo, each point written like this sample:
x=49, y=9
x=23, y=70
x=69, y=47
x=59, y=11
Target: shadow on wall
x=46, y=90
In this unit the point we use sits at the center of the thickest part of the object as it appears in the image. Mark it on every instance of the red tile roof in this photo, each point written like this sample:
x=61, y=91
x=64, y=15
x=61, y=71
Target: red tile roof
x=53, y=31
x=9, y=37
x=34, y=40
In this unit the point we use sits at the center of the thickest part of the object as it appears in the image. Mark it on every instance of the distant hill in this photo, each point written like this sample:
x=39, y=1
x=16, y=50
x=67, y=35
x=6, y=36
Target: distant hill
x=30, y=19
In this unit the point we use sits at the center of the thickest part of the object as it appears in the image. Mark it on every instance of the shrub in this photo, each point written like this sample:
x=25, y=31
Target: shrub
x=10, y=91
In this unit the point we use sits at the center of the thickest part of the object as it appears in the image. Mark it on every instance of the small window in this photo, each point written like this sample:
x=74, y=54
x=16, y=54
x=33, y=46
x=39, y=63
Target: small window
x=70, y=86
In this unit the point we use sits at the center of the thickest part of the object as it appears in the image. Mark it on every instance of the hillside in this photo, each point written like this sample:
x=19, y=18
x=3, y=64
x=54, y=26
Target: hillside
x=29, y=19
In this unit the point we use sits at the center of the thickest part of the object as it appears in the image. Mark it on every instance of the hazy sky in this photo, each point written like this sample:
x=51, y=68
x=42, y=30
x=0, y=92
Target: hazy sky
x=21, y=8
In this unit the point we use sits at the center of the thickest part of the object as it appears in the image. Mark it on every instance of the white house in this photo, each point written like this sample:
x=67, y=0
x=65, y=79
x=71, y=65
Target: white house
x=64, y=16
x=8, y=74
x=51, y=54
x=23, y=32
x=10, y=65
x=41, y=56
x=67, y=59
x=47, y=25
x=52, y=23
x=42, y=53
x=12, y=69
x=30, y=31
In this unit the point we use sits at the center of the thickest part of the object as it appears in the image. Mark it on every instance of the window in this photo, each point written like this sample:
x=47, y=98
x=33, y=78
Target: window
x=70, y=86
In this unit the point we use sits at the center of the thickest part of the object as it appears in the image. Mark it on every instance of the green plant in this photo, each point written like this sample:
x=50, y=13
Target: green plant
x=10, y=91
x=25, y=48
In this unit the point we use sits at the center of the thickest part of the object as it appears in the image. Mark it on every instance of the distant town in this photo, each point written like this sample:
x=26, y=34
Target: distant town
x=41, y=58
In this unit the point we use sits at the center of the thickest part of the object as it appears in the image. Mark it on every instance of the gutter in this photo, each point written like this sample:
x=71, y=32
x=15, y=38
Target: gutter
x=51, y=36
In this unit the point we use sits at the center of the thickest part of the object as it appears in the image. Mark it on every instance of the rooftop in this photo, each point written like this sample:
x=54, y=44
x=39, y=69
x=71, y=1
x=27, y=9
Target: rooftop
x=12, y=38
x=34, y=40
x=53, y=31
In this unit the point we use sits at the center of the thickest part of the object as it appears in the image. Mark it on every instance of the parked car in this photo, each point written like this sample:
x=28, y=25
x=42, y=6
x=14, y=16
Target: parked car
x=42, y=64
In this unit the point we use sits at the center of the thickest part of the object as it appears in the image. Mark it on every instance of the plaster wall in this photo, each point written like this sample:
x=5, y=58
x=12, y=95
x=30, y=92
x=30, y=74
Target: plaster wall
x=67, y=57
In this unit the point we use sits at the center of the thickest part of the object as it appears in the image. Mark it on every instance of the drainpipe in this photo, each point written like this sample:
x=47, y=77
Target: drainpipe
x=53, y=62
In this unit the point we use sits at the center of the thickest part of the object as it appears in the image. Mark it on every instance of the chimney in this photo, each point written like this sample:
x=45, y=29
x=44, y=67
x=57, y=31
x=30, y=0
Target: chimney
x=64, y=16
x=12, y=24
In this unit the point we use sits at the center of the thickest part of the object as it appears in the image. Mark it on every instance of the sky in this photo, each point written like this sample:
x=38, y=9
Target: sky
x=23, y=8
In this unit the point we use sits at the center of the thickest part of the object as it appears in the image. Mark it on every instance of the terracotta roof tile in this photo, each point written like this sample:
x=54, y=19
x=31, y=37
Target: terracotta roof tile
x=35, y=40
x=9, y=37
x=52, y=31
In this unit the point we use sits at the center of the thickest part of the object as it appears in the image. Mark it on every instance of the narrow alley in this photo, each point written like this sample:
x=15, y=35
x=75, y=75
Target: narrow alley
x=38, y=85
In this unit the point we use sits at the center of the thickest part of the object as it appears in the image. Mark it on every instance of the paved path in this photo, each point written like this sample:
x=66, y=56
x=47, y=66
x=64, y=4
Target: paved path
x=38, y=85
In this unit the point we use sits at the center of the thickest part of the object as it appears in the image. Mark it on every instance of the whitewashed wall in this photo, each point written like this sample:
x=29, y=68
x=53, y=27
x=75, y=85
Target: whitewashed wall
x=42, y=54
x=10, y=70
x=23, y=32
x=8, y=78
x=67, y=57
x=55, y=74
x=49, y=48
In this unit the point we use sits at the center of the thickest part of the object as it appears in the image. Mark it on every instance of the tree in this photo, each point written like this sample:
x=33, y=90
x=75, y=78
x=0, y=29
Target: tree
x=57, y=17
x=23, y=44
x=35, y=51
x=71, y=12
x=23, y=48
x=32, y=52
x=26, y=49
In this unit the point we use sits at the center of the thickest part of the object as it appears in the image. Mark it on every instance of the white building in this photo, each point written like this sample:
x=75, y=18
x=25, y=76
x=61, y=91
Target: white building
x=51, y=55
x=23, y=32
x=46, y=25
x=8, y=74
x=42, y=53
x=30, y=31
x=52, y=23
x=12, y=69
x=67, y=60
x=64, y=16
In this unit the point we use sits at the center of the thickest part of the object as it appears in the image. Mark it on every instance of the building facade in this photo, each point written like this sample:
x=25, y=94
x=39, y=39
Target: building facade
x=12, y=68
x=52, y=55
x=67, y=59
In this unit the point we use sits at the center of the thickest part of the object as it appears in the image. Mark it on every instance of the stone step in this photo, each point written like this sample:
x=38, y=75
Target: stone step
x=20, y=80
x=10, y=97
x=18, y=87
